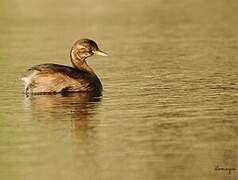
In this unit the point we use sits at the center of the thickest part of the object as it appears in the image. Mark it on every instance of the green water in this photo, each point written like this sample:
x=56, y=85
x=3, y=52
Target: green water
x=169, y=107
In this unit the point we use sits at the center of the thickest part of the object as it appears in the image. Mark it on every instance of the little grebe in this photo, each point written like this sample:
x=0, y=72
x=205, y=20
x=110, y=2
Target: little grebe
x=55, y=78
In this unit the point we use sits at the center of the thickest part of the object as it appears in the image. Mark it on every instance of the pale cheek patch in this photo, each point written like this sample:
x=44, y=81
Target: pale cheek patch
x=80, y=47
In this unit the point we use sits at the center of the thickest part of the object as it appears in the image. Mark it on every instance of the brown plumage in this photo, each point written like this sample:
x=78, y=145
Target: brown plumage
x=55, y=78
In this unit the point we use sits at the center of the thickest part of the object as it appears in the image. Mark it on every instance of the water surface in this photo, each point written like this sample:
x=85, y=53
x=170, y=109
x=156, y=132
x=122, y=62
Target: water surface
x=169, y=107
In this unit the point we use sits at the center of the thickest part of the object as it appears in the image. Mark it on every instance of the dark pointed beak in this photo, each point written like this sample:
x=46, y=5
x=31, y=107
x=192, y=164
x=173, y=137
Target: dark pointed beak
x=100, y=53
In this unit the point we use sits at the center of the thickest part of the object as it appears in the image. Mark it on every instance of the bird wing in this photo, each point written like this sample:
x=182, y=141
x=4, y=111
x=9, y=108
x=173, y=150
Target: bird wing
x=53, y=78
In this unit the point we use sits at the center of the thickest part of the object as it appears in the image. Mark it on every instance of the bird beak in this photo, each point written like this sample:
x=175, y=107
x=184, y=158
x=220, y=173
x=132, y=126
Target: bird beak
x=100, y=53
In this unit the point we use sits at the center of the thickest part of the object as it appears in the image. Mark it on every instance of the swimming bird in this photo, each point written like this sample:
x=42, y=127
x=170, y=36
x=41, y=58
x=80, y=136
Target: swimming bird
x=55, y=78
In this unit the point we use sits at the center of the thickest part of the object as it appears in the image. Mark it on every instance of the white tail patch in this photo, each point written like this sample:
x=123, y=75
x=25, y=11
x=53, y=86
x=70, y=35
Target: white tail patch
x=27, y=82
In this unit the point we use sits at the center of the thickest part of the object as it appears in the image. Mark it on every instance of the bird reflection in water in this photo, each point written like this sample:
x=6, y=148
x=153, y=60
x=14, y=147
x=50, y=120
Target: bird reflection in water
x=80, y=106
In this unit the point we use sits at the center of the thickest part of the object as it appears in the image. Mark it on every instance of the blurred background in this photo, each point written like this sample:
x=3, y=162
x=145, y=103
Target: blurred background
x=169, y=107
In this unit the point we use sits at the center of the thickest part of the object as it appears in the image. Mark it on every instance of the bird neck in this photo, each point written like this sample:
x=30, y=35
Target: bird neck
x=80, y=63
